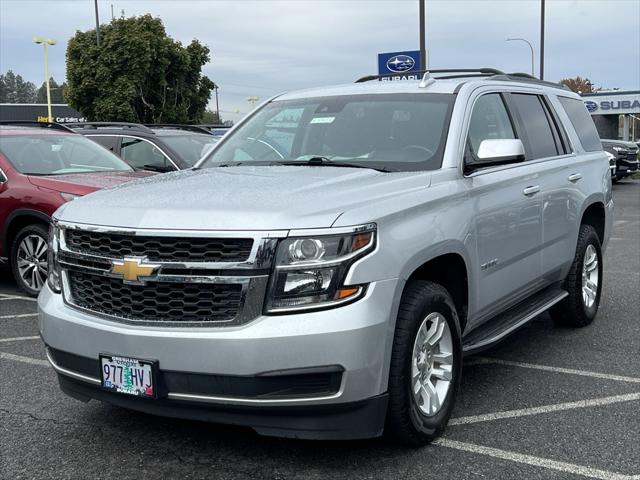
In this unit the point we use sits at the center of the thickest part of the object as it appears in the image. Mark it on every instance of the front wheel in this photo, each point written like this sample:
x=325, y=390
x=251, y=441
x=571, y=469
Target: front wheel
x=29, y=258
x=426, y=364
x=583, y=283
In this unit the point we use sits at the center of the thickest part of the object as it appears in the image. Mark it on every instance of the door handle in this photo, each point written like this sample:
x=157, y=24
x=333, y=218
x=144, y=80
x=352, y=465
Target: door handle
x=574, y=177
x=531, y=190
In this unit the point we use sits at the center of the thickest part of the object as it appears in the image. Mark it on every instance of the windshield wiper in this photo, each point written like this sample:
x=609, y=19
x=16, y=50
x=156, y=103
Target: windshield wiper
x=327, y=162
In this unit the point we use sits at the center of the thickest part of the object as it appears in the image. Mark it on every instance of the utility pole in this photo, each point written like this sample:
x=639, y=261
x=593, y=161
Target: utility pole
x=217, y=105
x=112, y=17
x=542, y=39
x=95, y=5
x=423, y=47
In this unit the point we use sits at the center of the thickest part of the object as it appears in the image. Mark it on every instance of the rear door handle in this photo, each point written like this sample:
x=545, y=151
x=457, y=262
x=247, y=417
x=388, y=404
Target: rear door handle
x=531, y=190
x=574, y=177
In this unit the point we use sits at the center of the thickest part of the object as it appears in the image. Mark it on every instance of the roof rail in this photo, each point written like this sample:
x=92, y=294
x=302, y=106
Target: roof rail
x=177, y=126
x=214, y=125
x=96, y=125
x=30, y=123
x=525, y=77
x=477, y=71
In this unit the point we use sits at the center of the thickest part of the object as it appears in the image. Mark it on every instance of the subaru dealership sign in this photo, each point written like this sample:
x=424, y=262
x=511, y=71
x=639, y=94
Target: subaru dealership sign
x=401, y=65
x=612, y=103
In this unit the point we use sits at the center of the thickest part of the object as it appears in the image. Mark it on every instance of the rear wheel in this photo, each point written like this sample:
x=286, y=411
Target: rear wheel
x=29, y=258
x=425, y=365
x=583, y=283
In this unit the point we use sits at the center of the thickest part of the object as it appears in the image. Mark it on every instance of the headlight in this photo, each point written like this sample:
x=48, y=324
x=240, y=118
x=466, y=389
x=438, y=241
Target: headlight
x=619, y=149
x=53, y=269
x=310, y=271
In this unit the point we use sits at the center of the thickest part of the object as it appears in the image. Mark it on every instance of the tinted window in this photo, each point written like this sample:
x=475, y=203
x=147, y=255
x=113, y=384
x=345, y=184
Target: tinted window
x=58, y=154
x=582, y=122
x=192, y=147
x=489, y=121
x=110, y=143
x=400, y=132
x=540, y=138
x=142, y=154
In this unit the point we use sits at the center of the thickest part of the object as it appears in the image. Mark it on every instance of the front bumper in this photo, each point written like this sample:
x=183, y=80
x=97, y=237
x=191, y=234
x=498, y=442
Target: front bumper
x=354, y=338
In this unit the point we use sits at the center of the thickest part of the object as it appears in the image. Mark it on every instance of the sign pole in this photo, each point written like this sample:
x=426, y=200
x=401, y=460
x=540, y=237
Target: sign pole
x=423, y=48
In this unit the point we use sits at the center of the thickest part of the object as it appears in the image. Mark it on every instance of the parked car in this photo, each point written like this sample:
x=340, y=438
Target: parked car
x=626, y=155
x=160, y=148
x=43, y=166
x=322, y=272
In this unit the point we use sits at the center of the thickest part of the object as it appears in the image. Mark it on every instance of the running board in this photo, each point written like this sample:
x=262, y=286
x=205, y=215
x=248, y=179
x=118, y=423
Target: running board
x=508, y=322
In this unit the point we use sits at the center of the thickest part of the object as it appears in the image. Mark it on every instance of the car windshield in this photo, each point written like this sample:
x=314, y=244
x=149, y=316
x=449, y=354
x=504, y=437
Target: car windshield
x=191, y=148
x=396, y=132
x=58, y=155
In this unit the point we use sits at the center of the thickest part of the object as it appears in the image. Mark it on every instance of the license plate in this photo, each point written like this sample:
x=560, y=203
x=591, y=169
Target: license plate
x=128, y=375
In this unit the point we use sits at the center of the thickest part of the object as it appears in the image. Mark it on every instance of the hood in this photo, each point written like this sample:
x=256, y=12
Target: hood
x=243, y=198
x=83, y=183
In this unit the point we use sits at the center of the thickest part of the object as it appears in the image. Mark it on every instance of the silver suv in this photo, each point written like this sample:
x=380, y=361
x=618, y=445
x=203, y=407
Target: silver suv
x=322, y=273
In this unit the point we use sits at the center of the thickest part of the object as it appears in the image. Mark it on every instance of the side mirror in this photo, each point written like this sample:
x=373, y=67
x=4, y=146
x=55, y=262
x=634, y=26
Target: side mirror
x=499, y=151
x=3, y=177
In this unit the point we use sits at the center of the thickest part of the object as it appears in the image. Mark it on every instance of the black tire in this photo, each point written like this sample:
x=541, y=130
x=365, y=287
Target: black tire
x=573, y=311
x=405, y=423
x=34, y=229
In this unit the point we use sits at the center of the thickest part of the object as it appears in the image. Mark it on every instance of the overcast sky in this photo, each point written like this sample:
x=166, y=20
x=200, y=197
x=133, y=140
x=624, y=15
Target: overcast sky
x=265, y=47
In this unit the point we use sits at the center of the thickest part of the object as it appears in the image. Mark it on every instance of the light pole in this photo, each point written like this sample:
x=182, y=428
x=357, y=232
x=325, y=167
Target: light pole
x=95, y=7
x=530, y=46
x=45, y=42
x=542, y=39
x=423, y=42
x=217, y=105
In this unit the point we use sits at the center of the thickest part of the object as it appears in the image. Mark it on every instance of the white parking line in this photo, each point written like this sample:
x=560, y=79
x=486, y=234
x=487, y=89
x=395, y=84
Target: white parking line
x=558, y=407
x=534, y=461
x=18, y=339
x=20, y=358
x=547, y=368
x=21, y=315
x=4, y=296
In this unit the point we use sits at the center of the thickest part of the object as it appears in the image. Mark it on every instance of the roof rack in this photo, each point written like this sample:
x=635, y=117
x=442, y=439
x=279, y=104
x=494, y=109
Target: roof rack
x=96, y=125
x=490, y=73
x=29, y=123
x=177, y=126
x=214, y=125
x=477, y=71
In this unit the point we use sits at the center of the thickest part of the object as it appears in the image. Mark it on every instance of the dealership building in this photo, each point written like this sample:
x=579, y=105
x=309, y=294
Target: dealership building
x=37, y=112
x=615, y=113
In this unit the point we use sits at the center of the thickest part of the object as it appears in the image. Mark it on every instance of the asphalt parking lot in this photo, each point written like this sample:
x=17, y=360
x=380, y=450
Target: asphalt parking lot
x=548, y=403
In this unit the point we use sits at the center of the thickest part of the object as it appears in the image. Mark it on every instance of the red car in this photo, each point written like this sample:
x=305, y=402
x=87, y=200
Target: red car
x=43, y=166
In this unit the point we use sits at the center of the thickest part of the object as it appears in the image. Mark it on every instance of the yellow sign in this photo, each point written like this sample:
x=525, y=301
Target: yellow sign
x=131, y=269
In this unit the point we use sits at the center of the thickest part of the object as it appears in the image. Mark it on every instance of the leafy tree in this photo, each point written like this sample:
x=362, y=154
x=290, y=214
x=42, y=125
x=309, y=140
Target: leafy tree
x=209, y=116
x=15, y=89
x=57, y=92
x=579, y=85
x=138, y=74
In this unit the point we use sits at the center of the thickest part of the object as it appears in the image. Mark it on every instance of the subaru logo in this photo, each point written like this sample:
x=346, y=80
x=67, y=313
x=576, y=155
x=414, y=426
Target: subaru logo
x=591, y=106
x=400, y=63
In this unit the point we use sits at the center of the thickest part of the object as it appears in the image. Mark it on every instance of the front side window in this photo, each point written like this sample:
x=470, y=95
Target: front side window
x=142, y=154
x=489, y=121
x=535, y=125
x=395, y=132
x=58, y=154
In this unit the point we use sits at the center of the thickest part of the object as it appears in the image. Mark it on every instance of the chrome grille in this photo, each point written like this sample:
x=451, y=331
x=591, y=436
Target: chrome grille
x=159, y=249
x=158, y=301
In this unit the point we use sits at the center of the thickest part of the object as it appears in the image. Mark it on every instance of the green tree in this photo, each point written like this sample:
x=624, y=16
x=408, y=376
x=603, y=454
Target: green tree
x=15, y=89
x=579, y=85
x=138, y=74
x=57, y=92
x=209, y=116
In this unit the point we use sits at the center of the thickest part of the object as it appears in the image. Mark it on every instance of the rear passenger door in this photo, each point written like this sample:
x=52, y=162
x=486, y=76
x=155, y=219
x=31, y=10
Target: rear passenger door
x=507, y=214
x=547, y=146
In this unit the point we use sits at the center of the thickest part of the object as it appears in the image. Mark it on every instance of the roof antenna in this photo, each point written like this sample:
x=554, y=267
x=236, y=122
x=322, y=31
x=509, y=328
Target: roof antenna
x=427, y=80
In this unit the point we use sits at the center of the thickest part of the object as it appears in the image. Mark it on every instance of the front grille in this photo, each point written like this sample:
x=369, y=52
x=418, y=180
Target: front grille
x=157, y=301
x=159, y=249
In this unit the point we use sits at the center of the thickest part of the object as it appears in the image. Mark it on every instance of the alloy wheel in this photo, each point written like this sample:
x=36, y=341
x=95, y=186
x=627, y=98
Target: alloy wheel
x=432, y=364
x=590, y=276
x=32, y=261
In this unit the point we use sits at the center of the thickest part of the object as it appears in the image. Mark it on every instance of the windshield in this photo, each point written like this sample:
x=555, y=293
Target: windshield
x=191, y=148
x=58, y=155
x=397, y=132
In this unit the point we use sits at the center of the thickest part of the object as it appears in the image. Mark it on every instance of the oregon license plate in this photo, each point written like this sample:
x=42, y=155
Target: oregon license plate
x=127, y=375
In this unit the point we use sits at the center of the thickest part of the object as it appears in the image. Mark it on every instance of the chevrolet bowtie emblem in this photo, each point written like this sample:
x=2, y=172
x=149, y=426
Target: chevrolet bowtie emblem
x=131, y=270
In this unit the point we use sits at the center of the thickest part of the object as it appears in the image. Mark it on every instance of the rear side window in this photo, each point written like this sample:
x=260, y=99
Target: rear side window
x=535, y=126
x=582, y=123
x=110, y=143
